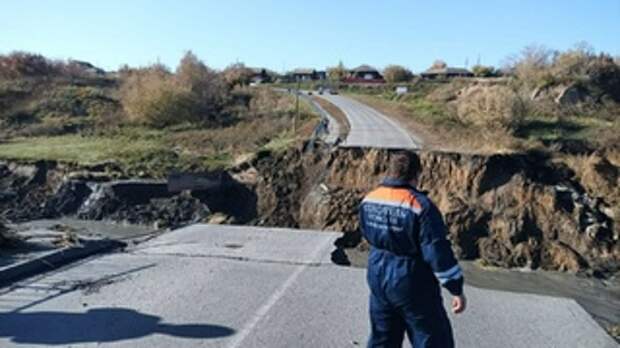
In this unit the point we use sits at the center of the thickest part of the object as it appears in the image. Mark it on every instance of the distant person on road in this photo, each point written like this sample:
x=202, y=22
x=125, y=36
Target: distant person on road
x=409, y=257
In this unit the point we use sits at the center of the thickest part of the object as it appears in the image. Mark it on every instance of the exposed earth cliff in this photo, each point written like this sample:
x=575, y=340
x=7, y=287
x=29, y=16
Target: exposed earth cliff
x=513, y=210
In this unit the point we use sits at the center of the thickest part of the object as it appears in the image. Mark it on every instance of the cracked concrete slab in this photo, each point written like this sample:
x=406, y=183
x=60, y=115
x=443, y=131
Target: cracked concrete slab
x=218, y=286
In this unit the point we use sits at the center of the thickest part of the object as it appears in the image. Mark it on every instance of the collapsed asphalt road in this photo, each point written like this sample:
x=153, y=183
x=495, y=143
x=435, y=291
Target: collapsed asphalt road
x=216, y=286
x=370, y=128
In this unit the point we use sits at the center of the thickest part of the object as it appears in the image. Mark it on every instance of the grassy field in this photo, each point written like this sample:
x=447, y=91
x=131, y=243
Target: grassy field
x=156, y=152
x=143, y=150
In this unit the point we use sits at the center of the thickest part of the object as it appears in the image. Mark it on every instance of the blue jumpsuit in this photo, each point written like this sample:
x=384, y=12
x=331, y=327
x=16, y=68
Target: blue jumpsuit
x=409, y=257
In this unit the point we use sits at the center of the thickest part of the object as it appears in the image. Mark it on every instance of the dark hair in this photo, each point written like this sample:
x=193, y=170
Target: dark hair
x=404, y=165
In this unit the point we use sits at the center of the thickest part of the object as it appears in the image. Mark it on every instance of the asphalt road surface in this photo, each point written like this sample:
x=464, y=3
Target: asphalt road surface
x=370, y=128
x=216, y=286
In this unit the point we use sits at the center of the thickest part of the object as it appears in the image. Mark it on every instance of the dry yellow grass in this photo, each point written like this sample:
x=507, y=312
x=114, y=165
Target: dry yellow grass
x=493, y=107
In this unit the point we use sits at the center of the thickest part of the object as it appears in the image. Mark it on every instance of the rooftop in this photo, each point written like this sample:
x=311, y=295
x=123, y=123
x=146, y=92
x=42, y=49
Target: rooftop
x=446, y=71
x=365, y=68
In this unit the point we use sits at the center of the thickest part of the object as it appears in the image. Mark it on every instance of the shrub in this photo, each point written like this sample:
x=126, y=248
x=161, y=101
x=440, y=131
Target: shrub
x=209, y=91
x=156, y=97
x=483, y=71
x=604, y=77
x=265, y=100
x=153, y=97
x=397, y=73
x=532, y=65
x=338, y=72
x=22, y=64
x=237, y=75
x=497, y=107
x=572, y=64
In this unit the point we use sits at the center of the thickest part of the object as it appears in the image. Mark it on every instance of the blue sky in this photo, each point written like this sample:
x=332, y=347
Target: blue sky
x=284, y=34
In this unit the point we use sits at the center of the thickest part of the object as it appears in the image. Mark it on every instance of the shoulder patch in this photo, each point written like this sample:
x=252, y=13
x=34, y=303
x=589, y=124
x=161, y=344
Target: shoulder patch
x=399, y=197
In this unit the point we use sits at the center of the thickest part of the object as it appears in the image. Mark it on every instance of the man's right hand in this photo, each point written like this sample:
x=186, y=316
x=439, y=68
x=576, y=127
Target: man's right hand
x=458, y=304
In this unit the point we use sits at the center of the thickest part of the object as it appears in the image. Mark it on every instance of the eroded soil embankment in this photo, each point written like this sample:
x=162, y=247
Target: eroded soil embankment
x=514, y=210
x=508, y=210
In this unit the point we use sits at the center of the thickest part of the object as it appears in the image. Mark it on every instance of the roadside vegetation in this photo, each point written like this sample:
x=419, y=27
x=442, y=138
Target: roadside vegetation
x=149, y=119
x=546, y=99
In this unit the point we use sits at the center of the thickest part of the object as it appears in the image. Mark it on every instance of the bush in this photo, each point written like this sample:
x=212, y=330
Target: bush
x=483, y=71
x=265, y=101
x=153, y=97
x=23, y=64
x=532, y=65
x=604, y=77
x=156, y=97
x=497, y=107
x=210, y=94
x=338, y=72
x=74, y=101
x=397, y=73
x=237, y=75
x=572, y=64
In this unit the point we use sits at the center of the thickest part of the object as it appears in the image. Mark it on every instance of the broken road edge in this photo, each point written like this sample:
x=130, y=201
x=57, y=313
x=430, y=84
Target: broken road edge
x=57, y=259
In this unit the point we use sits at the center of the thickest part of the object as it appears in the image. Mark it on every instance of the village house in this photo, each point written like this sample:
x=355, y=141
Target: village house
x=445, y=72
x=364, y=74
x=303, y=74
x=261, y=75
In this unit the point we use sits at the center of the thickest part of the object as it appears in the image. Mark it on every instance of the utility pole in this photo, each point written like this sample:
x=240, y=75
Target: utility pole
x=296, y=106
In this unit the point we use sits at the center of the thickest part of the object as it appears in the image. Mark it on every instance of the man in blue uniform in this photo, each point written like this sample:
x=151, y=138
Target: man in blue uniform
x=409, y=257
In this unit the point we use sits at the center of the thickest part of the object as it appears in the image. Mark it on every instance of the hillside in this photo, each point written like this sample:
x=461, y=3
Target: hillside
x=148, y=120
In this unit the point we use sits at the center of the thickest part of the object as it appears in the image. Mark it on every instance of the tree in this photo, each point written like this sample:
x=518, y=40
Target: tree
x=483, y=71
x=397, y=73
x=337, y=73
x=531, y=65
x=153, y=97
x=237, y=74
x=574, y=62
x=194, y=93
x=207, y=86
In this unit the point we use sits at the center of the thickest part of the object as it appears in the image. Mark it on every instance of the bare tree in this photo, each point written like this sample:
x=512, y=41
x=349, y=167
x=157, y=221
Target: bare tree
x=531, y=65
x=207, y=86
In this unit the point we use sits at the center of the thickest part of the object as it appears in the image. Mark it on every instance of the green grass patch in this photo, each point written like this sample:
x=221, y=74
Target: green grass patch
x=280, y=143
x=566, y=128
x=148, y=152
x=79, y=149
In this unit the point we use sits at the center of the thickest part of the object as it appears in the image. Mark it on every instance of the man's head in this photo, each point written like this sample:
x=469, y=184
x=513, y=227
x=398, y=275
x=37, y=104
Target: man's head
x=404, y=165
